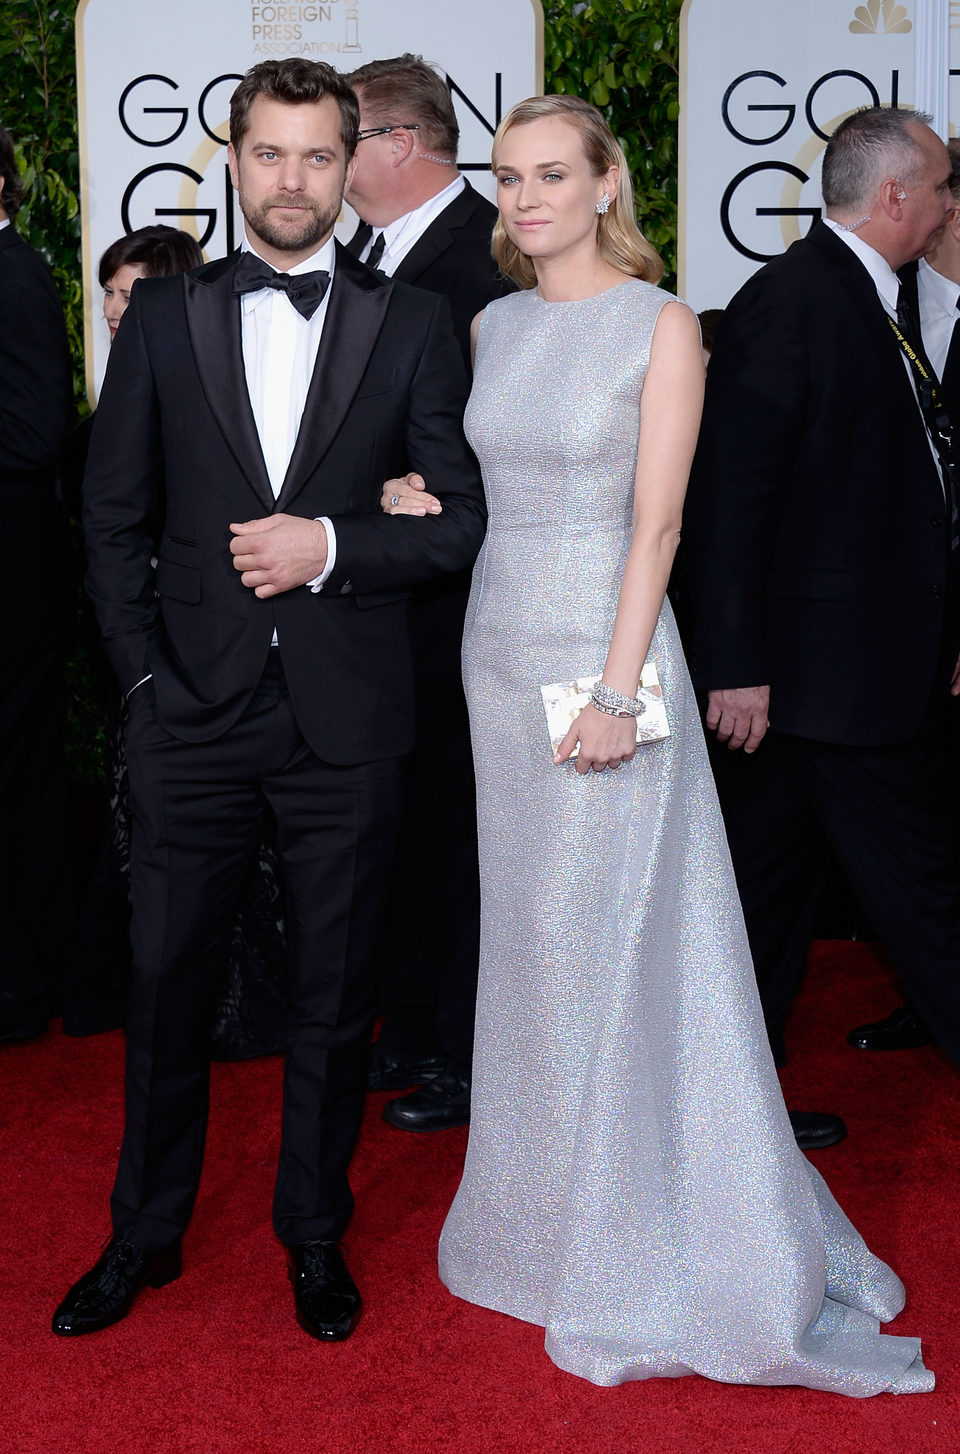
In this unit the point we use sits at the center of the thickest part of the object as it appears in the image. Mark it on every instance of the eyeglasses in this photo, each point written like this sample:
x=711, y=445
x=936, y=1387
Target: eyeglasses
x=384, y=130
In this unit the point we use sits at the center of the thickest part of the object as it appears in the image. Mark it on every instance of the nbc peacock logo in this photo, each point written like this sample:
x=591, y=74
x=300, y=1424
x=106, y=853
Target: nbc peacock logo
x=880, y=17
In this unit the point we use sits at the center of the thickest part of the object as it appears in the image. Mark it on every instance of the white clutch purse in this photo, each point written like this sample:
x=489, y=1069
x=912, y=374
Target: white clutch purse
x=563, y=701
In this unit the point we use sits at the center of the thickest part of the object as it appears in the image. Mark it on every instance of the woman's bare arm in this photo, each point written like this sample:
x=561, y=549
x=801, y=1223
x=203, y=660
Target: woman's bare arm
x=669, y=421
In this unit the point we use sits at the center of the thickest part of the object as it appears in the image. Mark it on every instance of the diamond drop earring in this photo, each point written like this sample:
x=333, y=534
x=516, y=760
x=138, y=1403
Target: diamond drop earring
x=603, y=206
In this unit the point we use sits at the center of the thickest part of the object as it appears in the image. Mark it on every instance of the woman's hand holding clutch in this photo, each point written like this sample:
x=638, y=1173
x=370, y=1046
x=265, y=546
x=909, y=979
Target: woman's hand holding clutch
x=408, y=497
x=605, y=741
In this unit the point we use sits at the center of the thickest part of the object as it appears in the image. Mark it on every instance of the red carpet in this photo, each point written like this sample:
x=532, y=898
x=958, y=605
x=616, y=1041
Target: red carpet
x=215, y=1362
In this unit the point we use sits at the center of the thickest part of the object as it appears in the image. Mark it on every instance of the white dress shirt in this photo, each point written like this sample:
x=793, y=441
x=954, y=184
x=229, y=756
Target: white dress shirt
x=938, y=313
x=402, y=233
x=279, y=354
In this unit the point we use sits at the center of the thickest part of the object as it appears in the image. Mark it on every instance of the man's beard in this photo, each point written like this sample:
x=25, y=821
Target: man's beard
x=290, y=234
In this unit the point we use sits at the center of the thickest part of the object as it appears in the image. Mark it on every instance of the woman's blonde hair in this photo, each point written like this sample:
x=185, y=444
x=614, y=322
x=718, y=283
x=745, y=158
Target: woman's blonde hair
x=619, y=239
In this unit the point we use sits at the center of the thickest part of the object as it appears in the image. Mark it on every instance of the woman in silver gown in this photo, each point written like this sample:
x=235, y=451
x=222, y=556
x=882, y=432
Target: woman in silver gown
x=632, y=1182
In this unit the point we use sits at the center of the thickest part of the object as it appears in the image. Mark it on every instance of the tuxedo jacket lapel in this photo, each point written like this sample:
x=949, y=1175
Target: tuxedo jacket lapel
x=427, y=247
x=858, y=283
x=213, y=322
x=359, y=239
x=9, y=237
x=882, y=340
x=355, y=313
x=438, y=236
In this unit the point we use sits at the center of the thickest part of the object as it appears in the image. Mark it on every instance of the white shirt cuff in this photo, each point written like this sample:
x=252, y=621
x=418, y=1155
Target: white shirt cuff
x=317, y=583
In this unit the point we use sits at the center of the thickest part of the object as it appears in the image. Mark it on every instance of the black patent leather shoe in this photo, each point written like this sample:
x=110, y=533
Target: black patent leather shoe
x=325, y=1296
x=816, y=1129
x=109, y=1290
x=399, y=1072
x=899, y=1031
x=439, y=1104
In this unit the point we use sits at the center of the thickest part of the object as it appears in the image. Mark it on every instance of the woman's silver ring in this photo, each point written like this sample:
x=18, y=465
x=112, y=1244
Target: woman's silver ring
x=394, y=500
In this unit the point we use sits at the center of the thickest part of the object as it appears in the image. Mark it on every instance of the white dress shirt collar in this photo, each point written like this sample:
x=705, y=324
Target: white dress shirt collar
x=404, y=232
x=937, y=297
x=943, y=289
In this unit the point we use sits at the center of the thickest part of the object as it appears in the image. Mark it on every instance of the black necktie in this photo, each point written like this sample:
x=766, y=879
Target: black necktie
x=359, y=239
x=951, y=371
x=950, y=388
x=376, y=252
x=305, y=290
x=938, y=424
x=908, y=320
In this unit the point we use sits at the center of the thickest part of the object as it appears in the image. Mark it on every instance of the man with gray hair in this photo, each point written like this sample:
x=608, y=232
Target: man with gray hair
x=822, y=542
x=931, y=288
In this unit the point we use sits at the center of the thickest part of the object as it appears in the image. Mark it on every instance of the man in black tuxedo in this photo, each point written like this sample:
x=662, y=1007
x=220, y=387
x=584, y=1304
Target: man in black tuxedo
x=931, y=289
x=36, y=404
x=249, y=417
x=422, y=222
x=823, y=564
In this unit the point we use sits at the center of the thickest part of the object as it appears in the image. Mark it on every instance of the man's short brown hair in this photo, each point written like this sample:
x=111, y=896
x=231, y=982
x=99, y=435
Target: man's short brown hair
x=295, y=82
x=406, y=89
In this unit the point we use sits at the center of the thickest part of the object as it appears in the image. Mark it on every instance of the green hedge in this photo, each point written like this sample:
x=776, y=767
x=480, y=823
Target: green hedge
x=38, y=106
x=620, y=54
x=623, y=56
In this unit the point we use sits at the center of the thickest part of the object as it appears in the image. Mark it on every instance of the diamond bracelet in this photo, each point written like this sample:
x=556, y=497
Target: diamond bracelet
x=615, y=704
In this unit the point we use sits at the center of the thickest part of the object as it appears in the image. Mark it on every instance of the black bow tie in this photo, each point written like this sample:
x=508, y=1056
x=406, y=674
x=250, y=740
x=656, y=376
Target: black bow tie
x=305, y=290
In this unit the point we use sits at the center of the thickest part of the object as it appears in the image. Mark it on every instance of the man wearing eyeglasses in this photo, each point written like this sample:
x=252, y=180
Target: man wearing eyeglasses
x=423, y=223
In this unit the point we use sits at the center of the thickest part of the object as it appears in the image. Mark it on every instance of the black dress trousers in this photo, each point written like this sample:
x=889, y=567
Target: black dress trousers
x=197, y=811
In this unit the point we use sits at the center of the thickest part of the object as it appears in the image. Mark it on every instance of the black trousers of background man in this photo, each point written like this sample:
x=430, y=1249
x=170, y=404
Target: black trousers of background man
x=887, y=814
x=196, y=822
x=432, y=947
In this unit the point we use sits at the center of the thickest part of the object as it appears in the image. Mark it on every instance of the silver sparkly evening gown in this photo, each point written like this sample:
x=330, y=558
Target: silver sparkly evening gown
x=632, y=1183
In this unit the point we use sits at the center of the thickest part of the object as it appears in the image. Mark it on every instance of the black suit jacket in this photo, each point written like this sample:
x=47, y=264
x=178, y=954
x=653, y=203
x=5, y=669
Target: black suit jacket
x=453, y=258
x=36, y=405
x=175, y=458
x=815, y=520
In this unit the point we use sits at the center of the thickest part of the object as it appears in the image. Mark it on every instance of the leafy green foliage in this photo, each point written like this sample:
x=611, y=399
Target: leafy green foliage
x=38, y=106
x=623, y=55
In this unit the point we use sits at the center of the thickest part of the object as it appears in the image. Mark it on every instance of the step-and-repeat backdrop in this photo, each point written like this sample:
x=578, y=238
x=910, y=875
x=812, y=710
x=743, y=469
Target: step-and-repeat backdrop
x=762, y=85
x=155, y=79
